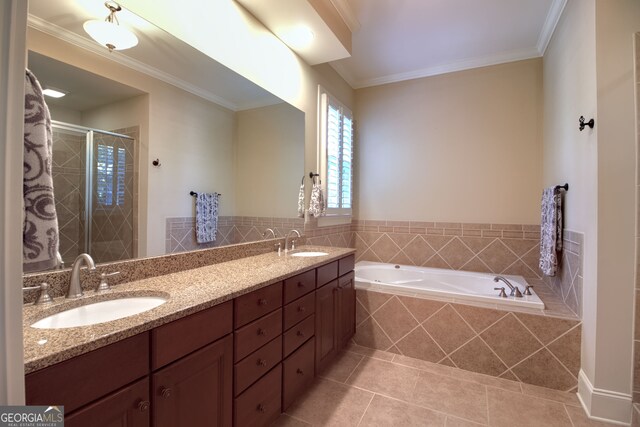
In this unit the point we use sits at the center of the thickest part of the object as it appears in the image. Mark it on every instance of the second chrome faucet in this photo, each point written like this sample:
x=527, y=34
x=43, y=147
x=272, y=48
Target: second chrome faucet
x=515, y=291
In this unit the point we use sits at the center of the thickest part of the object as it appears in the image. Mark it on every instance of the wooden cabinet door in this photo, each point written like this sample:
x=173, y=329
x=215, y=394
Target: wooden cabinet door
x=128, y=407
x=326, y=316
x=347, y=309
x=197, y=390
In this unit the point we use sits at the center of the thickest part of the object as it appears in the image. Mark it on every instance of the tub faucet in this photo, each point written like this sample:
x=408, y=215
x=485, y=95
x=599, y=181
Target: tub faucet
x=75, y=288
x=515, y=291
x=293, y=242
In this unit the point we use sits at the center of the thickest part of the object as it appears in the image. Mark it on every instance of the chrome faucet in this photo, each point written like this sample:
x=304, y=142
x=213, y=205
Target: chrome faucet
x=267, y=231
x=293, y=242
x=75, y=288
x=515, y=291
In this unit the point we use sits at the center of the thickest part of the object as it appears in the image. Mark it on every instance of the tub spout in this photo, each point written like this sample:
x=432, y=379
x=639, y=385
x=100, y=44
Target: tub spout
x=515, y=291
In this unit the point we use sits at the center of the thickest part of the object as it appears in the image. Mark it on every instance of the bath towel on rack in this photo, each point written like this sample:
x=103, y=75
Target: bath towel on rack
x=40, y=221
x=206, y=217
x=317, y=206
x=550, y=231
x=301, y=199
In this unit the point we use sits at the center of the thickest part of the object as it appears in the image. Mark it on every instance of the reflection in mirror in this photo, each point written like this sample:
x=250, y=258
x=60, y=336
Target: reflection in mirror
x=114, y=121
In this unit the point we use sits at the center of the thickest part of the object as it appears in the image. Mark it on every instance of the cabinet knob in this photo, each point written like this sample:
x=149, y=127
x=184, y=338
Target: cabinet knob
x=262, y=301
x=302, y=309
x=262, y=362
x=143, y=406
x=300, y=334
x=300, y=371
x=300, y=285
x=261, y=408
x=261, y=332
x=165, y=392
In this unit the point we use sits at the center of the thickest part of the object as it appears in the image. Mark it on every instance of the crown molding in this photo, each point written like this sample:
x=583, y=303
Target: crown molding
x=483, y=61
x=347, y=14
x=83, y=43
x=550, y=24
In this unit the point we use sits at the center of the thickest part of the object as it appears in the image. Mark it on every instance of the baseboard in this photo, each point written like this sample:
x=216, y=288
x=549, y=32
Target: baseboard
x=604, y=405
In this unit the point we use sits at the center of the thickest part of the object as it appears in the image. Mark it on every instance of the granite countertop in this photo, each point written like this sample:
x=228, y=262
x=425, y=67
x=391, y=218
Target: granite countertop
x=187, y=292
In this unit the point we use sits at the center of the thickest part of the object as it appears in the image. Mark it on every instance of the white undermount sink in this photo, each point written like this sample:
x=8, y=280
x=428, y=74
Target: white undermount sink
x=99, y=312
x=309, y=254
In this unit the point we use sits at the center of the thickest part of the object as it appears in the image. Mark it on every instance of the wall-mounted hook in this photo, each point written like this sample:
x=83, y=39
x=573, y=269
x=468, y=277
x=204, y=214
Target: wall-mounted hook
x=591, y=123
x=156, y=163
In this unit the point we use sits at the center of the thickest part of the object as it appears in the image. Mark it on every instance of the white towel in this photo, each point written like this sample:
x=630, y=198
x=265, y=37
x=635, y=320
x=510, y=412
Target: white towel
x=550, y=231
x=206, y=217
x=301, y=200
x=317, y=206
x=40, y=242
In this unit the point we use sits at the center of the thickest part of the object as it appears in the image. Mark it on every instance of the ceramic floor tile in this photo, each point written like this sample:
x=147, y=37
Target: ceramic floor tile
x=328, y=403
x=459, y=422
x=507, y=409
x=487, y=380
x=342, y=367
x=550, y=394
x=383, y=412
x=423, y=365
x=452, y=396
x=580, y=419
x=385, y=378
x=366, y=351
x=287, y=421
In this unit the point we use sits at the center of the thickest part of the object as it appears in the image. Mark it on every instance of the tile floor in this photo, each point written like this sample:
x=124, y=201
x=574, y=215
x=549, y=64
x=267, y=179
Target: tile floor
x=366, y=387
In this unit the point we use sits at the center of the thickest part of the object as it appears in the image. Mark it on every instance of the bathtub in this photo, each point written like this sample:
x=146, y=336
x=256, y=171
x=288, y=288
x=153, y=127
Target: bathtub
x=452, y=285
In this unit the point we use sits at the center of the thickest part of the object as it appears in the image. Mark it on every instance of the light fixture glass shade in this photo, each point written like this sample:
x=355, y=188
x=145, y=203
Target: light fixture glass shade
x=110, y=34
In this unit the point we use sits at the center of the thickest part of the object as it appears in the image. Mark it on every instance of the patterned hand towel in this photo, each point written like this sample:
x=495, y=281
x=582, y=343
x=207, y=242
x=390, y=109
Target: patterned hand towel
x=317, y=206
x=40, y=223
x=301, y=200
x=550, y=231
x=206, y=217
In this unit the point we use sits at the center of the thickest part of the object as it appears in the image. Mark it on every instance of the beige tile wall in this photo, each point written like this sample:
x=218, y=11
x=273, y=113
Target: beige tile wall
x=567, y=283
x=532, y=349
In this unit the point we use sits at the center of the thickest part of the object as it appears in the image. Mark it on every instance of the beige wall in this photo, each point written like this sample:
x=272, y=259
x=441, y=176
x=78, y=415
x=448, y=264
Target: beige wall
x=270, y=161
x=460, y=147
x=66, y=115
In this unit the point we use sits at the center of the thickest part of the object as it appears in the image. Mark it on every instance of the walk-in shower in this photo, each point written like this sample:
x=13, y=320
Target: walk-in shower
x=94, y=177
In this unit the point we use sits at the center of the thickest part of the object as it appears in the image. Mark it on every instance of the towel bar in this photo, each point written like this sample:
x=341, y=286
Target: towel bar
x=194, y=194
x=564, y=187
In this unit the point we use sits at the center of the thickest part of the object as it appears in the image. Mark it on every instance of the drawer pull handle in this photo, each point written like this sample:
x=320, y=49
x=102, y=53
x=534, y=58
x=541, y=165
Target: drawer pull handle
x=143, y=406
x=262, y=332
x=262, y=362
x=301, y=309
x=261, y=408
x=300, y=371
x=166, y=393
x=262, y=301
x=300, y=334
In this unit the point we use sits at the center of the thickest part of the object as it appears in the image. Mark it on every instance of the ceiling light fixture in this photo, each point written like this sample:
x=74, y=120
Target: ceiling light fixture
x=109, y=33
x=53, y=93
x=298, y=37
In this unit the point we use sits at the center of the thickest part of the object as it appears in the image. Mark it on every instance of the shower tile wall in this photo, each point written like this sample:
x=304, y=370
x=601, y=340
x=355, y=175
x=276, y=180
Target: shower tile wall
x=489, y=248
x=533, y=349
x=567, y=283
x=69, y=159
x=112, y=225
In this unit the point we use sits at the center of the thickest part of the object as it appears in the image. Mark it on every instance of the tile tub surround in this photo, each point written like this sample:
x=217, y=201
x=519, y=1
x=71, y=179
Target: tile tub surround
x=137, y=269
x=487, y=248
x=338, y=236
x=181, y=234
x=188, y=291
x=530, y=348
x=375, y=388
x=567, y=283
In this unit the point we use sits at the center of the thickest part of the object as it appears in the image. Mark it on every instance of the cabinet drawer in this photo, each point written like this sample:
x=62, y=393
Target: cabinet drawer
x=298, y=372
x=297, y=335
x=256, y=334
x=130, y=403
x=90, y=375
x=326, y=273
x=257, y=303
x=177, y=339
x=260, y=404
x=258, y=363
x=299, y=309
x=346, y=264
x=297, y=286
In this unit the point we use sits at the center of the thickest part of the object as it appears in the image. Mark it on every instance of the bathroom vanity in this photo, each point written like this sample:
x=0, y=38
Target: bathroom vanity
x=240, y=360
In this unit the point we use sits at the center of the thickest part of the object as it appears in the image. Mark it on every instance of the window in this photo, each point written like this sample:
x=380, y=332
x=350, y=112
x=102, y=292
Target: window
x=336, y=154
x=110, y=185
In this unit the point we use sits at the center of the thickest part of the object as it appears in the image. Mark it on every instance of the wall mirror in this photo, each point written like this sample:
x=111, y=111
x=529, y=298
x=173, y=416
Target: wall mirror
x=210, y=130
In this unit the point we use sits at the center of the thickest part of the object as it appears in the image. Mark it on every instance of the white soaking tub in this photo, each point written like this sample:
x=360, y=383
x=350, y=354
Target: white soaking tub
x=452, y=285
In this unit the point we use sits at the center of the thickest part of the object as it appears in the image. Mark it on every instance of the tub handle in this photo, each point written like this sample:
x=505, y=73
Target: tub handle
x=503, y=294
x=527, y=290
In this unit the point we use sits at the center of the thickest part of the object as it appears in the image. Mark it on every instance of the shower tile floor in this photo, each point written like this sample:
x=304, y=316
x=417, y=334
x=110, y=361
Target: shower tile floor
x=366, y=387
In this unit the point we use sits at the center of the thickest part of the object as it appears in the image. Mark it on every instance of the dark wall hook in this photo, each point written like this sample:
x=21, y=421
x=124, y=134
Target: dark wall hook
x=591, y=123
x=156, y=163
